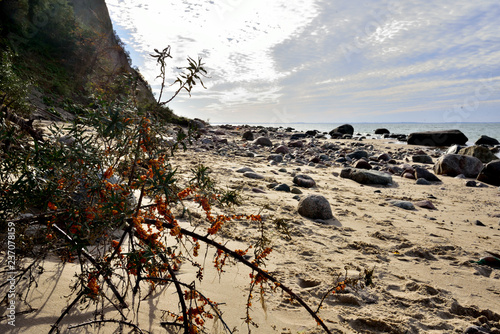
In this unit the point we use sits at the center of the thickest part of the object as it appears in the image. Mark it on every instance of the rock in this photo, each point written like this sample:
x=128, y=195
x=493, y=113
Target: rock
x=253, y=175
x=408, y=175
x=275, y=157
x=476, y=330
x=198, y=124
x=437, y=138
x=296, y=191
x=425, y=205
x=471, y=184
x=455, y=164
x=485, y=140
x=382, y=131
x=400, y=137
x=403, y=205
x=343, y=129
x=248, y=135
x=297, y=144
x=304, y=181
x=315, y=160
x=453, y=149
x=315, y=207
x=296, y=136
x=207, y=141
x=67, y=140
x=366, y=176
x=329, y=146
x=384, y=157
x=480, y=152
x=423, y=182
x=363, y=164
x=422, y=173
x=479, y=223
x=422, y=159
x=312, y=133
x=282, y=187
x=263, y=141
x=244, y=169
x=358, y=154
x=282, y=149
x=490, y=173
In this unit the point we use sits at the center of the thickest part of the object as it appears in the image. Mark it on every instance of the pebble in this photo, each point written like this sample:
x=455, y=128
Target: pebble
x=253, y=175
x=426, y=205
x=471, y=184
x=244, y=170
x=282, y=187
x=479, y=223
x=304, y=181
x=296, y=191
x=403, y=205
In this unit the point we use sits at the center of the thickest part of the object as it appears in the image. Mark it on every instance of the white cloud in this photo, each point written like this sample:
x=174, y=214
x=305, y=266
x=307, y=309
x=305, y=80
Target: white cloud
x=320, y=57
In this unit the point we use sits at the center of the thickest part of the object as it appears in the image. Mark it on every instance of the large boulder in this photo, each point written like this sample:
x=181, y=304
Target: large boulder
x=364, y=176
x=437, y=138
x=382, y=131
x=315, y=207
x=485, y=140
x=480, y=152
x=345, y=129
x=490, y=173
x=263, y=141
x=456, y=164
x=248, y=135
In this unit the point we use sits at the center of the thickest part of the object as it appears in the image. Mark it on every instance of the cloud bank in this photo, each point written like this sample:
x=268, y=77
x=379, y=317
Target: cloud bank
x=323, y=60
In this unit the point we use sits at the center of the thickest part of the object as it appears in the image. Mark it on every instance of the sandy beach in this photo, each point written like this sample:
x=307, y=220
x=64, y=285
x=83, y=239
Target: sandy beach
x=423, y=277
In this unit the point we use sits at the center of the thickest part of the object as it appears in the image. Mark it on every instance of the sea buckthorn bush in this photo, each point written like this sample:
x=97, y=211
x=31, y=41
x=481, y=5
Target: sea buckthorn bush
x=102, y=192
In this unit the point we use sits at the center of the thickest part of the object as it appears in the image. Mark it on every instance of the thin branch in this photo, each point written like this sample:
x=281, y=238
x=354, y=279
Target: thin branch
x=92, y=322
x=179, y=292
x=241, y=259
x=66, y=311
x=209, y=302
x=94, y=262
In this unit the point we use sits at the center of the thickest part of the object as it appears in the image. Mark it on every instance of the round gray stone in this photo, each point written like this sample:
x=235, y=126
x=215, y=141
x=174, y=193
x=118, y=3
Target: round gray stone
x=315, y=207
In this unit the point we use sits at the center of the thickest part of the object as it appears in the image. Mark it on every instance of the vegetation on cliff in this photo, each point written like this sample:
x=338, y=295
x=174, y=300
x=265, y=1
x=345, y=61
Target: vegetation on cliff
x=60, y=55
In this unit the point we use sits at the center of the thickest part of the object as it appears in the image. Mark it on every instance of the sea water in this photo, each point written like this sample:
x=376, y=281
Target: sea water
x=471, y=130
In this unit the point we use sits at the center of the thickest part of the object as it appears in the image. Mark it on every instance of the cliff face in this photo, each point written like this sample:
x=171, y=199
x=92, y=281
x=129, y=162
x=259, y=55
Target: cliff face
x=94, y=15
x=64, y=49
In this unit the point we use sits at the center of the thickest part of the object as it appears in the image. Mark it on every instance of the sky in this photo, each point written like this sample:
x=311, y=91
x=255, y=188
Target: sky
x=322, y=61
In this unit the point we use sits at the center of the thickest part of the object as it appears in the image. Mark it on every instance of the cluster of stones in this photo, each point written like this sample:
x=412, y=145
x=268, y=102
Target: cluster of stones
x=446, y=154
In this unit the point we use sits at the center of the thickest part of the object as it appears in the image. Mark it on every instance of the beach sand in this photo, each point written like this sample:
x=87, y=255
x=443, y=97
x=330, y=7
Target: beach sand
x=423, y=280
